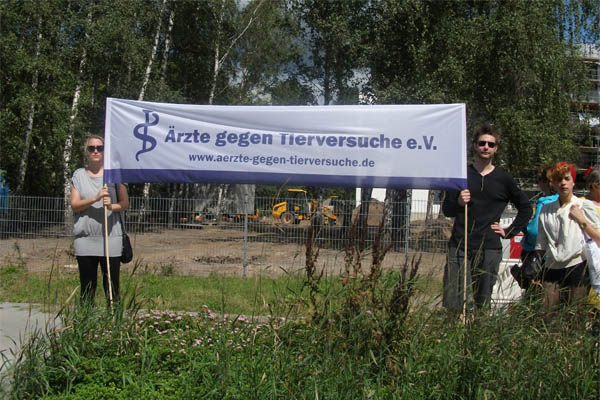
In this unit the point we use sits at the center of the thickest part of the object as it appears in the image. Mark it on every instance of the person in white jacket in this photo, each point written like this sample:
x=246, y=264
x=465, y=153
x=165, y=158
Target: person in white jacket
x=561, y=238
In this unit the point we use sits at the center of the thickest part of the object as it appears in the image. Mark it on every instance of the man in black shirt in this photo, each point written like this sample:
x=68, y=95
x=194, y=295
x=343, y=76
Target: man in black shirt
x=490, y=188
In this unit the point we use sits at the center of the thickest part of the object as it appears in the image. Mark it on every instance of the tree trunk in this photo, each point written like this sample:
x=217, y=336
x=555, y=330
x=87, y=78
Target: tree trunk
x=440, y=212
x=68, y=149
x=363, y=216
x=398, y=201
x=167, y=48
x=220, y=201
x=425, y=243
x=220, y=59
x=176, y=193
x=326, y=81
x=347, y=207
x=146, y=190
x=29, y=131
x=218, y=62
x=175, y=189
x=429, y=212
x=216, y=59
x=153, y=54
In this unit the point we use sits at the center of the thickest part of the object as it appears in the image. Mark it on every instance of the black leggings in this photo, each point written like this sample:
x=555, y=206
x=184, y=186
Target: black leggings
x=88, y=277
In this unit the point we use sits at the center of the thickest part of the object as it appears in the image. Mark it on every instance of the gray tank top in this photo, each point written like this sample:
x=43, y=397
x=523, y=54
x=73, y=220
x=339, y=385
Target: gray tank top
x=89, y=224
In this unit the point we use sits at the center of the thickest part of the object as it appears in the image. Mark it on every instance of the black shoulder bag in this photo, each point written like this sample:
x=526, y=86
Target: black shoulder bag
x=530, y=269
x=532, y=265
x=127, y=252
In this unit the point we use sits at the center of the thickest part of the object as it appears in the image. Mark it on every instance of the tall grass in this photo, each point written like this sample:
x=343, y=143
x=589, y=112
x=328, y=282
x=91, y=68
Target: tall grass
x=362, y=336
x=232, y=295
x=165, y=355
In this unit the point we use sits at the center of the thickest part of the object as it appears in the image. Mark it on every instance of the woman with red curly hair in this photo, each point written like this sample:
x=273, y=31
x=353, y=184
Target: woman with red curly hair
x=561, y=239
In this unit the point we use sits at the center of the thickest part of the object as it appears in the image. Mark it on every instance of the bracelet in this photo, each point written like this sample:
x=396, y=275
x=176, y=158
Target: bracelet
x=583, y=225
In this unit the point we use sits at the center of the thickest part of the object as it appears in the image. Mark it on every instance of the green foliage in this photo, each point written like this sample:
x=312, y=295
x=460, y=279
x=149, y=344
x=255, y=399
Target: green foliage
x=166, y=355
x=9, y=270
x=368, y=336
x=506, y=60
x=332, y=33
x=167, y=269
x=514, y=63
x=253, y=295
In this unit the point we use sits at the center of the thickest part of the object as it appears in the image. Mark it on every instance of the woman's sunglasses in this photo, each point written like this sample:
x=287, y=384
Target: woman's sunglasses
x=91, y=149
x=482, y=143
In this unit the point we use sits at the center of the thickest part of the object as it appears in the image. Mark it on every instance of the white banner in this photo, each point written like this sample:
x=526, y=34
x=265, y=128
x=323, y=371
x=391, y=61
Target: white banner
x=392, y=146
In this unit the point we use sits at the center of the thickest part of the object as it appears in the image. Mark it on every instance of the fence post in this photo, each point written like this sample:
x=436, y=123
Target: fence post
x=408, y=208
x=245, y=232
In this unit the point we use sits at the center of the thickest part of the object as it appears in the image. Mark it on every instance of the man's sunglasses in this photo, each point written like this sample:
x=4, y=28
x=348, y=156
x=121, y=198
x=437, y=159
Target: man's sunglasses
x=91, y=149
x=482, y=143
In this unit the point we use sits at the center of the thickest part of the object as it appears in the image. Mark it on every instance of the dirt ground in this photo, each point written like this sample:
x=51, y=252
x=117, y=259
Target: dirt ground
x=205, y=251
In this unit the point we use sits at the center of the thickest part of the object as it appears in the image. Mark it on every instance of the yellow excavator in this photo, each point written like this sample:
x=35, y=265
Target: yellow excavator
x=298, y=207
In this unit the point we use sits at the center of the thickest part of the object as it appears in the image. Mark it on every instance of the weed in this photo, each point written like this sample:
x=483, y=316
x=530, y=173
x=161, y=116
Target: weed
x=19, y=255
x=71, y=250
x=373, y=306
x=10, y=269
x=139, y=263
x=313, y=277
x=167, y=269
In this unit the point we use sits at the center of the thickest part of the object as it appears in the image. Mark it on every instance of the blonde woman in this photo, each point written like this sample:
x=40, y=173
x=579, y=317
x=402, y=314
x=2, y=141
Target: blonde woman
x=89, y=197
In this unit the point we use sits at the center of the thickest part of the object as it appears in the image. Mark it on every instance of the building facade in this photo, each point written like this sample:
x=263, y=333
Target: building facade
x=586, y=109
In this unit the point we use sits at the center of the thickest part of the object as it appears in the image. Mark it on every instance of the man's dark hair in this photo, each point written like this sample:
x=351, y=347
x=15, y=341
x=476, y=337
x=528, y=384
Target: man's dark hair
x=486, y=129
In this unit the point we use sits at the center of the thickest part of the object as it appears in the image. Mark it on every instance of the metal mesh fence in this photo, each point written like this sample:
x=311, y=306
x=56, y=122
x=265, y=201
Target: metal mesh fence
x=420, y=222
x=33, y=217
x=193, y=235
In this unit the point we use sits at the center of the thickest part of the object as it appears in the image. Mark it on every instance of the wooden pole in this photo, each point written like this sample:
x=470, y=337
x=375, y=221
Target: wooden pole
x=110, y=300
x=465, y=267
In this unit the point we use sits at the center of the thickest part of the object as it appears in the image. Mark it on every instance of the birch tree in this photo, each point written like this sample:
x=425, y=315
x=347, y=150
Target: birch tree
x=68, y=143
x=29, y=131
x=332, y=34
x=29, y=76
x=176, y=189
x=223, y=48
x=146, y=79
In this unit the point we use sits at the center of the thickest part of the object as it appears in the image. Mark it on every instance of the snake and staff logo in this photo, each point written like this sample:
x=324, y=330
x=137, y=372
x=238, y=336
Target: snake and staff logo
x=148, y=142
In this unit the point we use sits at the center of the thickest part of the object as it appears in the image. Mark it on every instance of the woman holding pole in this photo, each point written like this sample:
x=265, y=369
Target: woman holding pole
x=97, y=228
